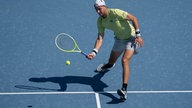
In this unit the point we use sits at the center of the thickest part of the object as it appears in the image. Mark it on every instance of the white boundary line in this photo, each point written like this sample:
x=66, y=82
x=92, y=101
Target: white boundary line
x=92, y=92
x=98, y=100
x=151, y=92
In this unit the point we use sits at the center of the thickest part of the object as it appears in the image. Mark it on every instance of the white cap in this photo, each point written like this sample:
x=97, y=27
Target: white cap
x=100, y=3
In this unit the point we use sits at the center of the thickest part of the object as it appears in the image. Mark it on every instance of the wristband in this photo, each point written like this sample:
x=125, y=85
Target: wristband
x=95, y=51
x=138, y=35
x=137, y=32
x=94, y=54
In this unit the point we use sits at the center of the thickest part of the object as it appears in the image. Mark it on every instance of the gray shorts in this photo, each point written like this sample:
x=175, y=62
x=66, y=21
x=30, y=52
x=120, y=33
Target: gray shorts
x=120, y=45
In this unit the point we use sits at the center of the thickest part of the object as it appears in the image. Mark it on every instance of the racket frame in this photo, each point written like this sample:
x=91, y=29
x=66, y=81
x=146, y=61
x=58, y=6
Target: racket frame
x=76, y=47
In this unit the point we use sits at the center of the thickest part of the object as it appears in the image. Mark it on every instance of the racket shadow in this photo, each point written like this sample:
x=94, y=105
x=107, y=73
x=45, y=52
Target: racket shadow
x=95, y=82
x=27, y=87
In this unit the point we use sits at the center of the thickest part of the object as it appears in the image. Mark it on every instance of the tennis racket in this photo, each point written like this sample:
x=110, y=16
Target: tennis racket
x=67, y=43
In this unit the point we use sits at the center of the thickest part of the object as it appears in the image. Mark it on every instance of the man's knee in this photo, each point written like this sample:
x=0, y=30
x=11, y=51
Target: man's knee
x=126, y=60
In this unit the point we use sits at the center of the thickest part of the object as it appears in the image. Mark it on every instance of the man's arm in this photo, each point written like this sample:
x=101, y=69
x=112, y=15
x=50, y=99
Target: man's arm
x=97, y=46
x=99, y=41
x=134, y=21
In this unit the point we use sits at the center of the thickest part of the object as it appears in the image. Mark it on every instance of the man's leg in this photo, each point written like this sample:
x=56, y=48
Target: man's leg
x=126, y=72
x=114, y=56
x=125, y=65
x=111, y=62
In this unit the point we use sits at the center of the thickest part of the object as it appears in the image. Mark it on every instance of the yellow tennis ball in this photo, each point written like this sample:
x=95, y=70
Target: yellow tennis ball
x=67, y=62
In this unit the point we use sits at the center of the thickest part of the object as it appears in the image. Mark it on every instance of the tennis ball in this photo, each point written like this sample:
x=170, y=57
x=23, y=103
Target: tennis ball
x=67, y=62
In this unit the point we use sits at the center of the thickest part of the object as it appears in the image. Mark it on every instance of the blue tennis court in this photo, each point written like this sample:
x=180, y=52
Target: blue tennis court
x=33, y=71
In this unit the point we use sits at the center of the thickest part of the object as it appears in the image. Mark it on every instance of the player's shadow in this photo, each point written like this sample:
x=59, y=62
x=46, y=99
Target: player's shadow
x=95, y=82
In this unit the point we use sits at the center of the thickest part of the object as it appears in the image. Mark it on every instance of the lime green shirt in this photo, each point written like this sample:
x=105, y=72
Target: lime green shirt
x=116, y=21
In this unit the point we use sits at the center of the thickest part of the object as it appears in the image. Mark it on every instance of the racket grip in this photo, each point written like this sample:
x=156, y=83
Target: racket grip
x=84, y=53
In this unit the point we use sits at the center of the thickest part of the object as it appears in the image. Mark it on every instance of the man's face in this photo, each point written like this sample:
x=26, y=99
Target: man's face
x=101, y=10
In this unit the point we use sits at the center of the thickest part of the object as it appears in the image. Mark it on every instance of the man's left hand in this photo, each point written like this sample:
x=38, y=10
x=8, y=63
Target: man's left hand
x=139, y=40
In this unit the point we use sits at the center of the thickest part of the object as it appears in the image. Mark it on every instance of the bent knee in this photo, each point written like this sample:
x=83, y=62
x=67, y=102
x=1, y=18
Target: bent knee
x=125, y=60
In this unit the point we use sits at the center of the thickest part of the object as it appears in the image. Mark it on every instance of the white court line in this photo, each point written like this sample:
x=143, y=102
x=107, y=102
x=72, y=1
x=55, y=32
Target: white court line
x=98, y=100
x=43, y=93
x=91, y=92
x=150, y=92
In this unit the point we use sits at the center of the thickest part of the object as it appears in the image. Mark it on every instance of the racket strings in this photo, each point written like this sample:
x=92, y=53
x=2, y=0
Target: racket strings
x=66, y=43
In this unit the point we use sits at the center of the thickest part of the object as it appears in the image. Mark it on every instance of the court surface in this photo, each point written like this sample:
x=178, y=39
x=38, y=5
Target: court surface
x=33, y=71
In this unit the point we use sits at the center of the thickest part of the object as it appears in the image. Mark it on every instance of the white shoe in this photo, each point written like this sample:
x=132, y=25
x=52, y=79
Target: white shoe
x=104, y=67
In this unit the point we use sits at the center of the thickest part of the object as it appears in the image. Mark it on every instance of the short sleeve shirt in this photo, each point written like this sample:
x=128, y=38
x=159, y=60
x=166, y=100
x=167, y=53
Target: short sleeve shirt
x=116, y=21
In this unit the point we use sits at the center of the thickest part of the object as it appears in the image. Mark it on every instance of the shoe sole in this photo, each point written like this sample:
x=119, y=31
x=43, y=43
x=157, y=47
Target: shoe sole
x=121, y=94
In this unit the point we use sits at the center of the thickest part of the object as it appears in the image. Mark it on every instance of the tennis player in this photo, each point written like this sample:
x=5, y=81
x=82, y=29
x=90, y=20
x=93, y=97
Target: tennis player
x=127, y=38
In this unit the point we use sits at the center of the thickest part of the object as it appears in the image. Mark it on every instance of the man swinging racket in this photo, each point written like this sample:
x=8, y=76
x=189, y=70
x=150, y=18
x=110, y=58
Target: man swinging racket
x=127, y=39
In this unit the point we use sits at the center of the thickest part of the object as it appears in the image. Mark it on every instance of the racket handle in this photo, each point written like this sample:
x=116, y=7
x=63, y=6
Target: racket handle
x=84, y=53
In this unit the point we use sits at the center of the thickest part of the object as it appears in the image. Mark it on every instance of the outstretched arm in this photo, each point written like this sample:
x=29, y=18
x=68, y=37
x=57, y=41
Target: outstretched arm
x=97, y=46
